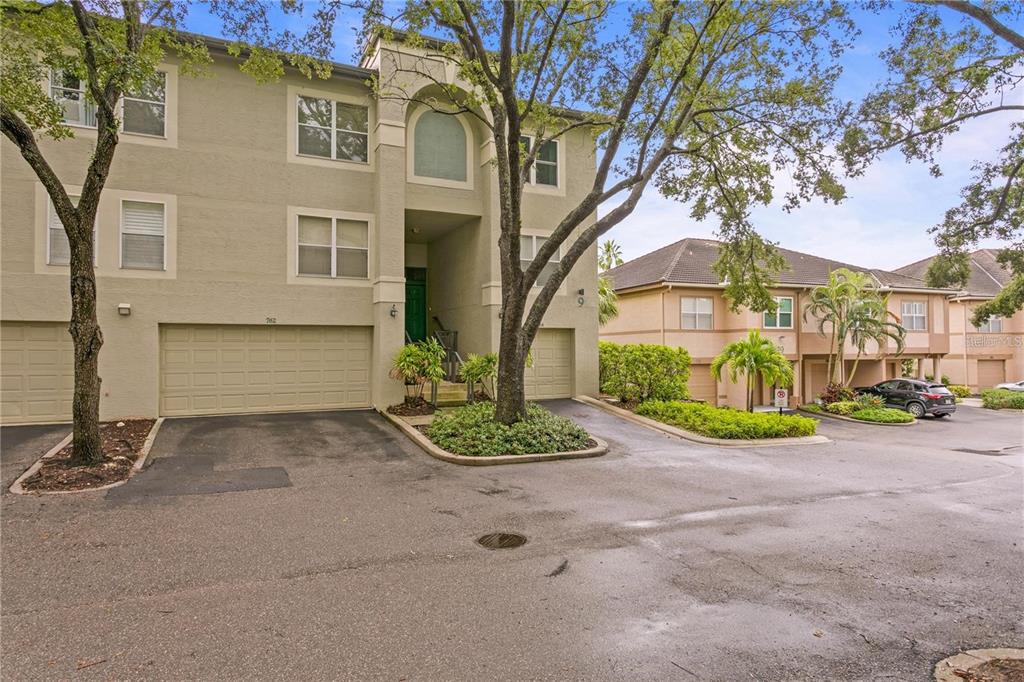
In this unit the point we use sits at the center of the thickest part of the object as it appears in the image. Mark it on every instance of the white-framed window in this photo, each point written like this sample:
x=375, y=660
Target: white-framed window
x=332, y=247
x=329, y=129
x=782, y=318
x=145, y=112
x=68, y=91
x=696, y=313
x=914, y=316
x=58, y=248
x=994, y=325
x=545, y=168
x=529, y=245
x=143, y=235
x=440, y=147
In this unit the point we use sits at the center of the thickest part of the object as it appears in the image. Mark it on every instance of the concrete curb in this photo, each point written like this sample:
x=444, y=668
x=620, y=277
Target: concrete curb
x=840, y=417
x=414, y=435
x=695, y=437
x=147, y=445
x=945, y=670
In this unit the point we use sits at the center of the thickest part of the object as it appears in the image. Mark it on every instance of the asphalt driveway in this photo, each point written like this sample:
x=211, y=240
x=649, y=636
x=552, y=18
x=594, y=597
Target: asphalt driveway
x=327, y=546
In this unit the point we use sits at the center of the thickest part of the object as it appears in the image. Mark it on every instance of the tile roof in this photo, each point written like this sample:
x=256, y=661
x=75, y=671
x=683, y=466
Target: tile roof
x=690, y=261
x=986, y=276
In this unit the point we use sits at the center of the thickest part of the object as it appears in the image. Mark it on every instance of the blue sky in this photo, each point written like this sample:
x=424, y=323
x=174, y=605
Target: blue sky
x=884, y=222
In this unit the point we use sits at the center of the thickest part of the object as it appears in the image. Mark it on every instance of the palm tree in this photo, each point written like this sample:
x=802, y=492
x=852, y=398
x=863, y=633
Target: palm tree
x=871, y=320
x=752, y=356
x=834, y=306
x=607, y=308
x=609, y=256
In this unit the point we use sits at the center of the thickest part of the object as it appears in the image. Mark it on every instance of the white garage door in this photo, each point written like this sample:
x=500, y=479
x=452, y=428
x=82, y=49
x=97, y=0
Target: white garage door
x=212, y=369
x=37, y=376
x=551, y=374
x=702, y=384
x=990, y=373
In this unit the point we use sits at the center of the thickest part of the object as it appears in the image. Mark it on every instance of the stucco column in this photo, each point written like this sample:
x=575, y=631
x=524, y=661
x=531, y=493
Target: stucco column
x=920, y=369
x=389, y=250
x=937, y=367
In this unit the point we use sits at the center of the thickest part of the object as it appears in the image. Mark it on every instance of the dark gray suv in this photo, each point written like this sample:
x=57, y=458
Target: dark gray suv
x=915, y=396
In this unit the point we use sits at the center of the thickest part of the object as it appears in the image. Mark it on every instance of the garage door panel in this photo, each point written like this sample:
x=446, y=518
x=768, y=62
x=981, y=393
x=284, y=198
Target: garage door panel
x=36, y=372
x=702, y=384
x=990, y=373
x=552, y=371
x=223, y=369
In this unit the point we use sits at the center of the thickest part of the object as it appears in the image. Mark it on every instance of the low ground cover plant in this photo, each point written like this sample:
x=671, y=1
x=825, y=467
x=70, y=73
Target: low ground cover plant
x=812, y=407
x=1002, y=399
x=472, y=431
x=719, y=422
x=882, y=415
x=635, y=372
x=843, y=407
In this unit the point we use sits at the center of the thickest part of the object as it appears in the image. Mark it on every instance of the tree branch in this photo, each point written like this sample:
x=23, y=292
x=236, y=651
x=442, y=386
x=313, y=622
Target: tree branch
x=981, y=15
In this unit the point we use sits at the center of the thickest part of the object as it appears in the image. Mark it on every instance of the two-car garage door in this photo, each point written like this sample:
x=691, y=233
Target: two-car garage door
x=221, y=369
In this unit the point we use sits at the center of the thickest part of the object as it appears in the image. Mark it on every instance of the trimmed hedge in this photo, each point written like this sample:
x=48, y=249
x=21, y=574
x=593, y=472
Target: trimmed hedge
x=719, y=422
x=472, y=431
x=844, y=407
x=1002, y=399
x=882, y=415
x=635, y=372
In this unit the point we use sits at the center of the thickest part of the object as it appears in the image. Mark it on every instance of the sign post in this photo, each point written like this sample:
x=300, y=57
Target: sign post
x=781, y=398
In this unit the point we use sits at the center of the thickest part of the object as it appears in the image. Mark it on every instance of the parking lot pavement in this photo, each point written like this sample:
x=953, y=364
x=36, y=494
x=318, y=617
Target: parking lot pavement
x=20, y=446
x=864, y=558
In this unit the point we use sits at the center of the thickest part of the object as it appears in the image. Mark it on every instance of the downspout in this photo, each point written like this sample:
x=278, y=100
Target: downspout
x=967, y=379
x=663, y=314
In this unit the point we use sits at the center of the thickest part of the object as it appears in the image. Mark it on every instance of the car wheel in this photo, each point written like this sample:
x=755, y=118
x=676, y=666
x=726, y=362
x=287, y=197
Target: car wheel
x=916, y=410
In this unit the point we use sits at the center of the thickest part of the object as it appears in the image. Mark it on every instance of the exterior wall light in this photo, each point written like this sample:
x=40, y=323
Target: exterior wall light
x=394, y=310
x=579, y=300
x=124, y=309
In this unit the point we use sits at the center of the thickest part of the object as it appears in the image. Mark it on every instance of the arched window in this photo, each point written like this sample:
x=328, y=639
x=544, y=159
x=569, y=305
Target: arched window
x=440, y=147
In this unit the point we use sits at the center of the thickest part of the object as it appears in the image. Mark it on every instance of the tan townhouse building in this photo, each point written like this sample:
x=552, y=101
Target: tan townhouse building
x=672, y=296
x=980, y=357
x=270, y=247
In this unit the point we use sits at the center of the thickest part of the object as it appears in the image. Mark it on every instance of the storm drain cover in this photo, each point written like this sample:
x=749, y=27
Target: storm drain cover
x=501, y=540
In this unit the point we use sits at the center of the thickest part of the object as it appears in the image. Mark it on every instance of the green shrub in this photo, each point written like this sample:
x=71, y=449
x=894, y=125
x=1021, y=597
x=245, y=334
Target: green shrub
x=944, y=377
x=480, y=369
x=959, y=390
x=835, y=393
x=1002, y=399
x=882, y=415
x=866, y=400
x=843, y=407
x=717, y=422
x=812, y=407
x=472, y=431
x=416, y=364
x=639, y=371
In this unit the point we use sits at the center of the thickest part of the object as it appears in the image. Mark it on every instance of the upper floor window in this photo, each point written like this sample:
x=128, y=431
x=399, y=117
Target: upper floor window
x=142, y=113
x=440, y=147
x=143, y=232
x=696, y=313
x=68, y=91
x=333, y=130
x=994, y=325
x=145, y=112
x=332, y=247
x=914, y=316
x=58, y=248
x=545, y=168
x=529, y=245
x=782, y=318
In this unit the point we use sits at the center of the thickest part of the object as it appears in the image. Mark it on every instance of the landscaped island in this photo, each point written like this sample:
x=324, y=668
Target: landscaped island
x=473, y=432
x=723, y=422
x=1002, y=399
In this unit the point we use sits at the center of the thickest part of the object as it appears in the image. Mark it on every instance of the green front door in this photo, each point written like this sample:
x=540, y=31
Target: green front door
x=416, y=303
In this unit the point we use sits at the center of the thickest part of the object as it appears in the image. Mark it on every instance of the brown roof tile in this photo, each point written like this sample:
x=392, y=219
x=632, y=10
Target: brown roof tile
x=986, y=276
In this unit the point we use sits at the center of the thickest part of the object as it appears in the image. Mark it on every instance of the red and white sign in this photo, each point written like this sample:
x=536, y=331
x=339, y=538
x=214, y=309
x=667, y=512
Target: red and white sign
x=781, y=397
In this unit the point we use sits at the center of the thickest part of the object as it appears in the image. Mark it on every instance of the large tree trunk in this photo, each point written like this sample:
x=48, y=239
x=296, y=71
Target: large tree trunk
x=87, y=339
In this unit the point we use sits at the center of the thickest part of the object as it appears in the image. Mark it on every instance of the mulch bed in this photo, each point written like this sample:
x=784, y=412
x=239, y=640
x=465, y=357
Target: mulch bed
x=996, y=670
x=122, y=443
x=414, y=407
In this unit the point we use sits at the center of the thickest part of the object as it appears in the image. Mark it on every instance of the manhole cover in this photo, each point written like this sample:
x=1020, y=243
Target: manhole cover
x=501, y=540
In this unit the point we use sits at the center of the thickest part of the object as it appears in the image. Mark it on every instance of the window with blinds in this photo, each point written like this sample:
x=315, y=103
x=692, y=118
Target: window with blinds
x=440, y=147
x=332, y=247
x=142, y=235
x=58, y=249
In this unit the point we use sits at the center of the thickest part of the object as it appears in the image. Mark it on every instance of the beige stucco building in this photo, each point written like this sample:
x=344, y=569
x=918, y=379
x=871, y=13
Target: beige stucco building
x=268, y=247
x=980, y=357
x=672, y=296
